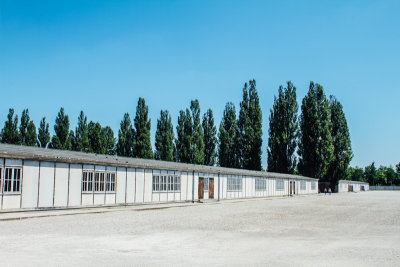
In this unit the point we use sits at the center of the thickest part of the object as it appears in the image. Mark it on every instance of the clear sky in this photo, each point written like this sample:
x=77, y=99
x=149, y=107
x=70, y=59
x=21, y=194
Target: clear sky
x=100, y=56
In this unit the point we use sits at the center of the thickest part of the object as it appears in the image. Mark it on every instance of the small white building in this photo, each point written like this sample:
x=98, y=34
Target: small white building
x=351, y=186
x=37, y=178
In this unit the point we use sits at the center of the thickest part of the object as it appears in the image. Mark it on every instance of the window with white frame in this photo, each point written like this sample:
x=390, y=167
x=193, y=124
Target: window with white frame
x=87, y=181
x=156, y=183
x=313, y=185
x=170, y=183
x=166, y=183
x=177, y=183
x=110, y=182
x=234, y=184
x=280, y=186
x=98, y=181
x=12, y=180
x=261, y=184
x=303, y=185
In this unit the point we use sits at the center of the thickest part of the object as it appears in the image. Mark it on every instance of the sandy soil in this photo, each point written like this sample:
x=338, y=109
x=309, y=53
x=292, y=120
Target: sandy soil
x=348, y=229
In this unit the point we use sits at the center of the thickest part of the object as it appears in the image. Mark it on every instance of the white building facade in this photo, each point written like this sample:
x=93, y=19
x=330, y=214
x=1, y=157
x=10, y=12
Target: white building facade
x=352, y=186
x=36, y=178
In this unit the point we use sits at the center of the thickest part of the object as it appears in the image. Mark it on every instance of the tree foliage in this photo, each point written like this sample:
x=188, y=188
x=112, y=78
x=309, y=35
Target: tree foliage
x=197, y=140
x=62, y=138
x=142, y=144
x=126, y=137
x=342, y=153
x=370, y=174
x=283, y=131
x=164, y=140
x=10, y=134
x=96, y=142
x=210, y=138
x=228, y=149
x=184, y=131
x=81, y=142
x=27, y=130
x=250, y=128
x=316, y=146
x=44, y=133
x=108, y=140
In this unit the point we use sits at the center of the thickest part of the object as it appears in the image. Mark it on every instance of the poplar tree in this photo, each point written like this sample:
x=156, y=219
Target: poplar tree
x=228, y=138
x=126, y=137
x=95, y=138
x=81, y=142
x=108, y=140
x=62, y=137
x=342, y=153
x=283, y=131
x=315, y=147
x=44, y=133
x=183, y=143
x=253, y=159
x=164, y=140
x=243, y=128
x=210, y=138
x=27, y=130
x=10, y=134
x=142, y=145
x=198, y=142
x=250, y=128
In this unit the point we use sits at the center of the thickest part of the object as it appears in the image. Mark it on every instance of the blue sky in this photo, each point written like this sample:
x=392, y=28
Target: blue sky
x=100, y=56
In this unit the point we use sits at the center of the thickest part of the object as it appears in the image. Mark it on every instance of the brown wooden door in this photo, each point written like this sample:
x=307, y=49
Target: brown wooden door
x=211, y=189
x=294, y=188
x=201, y=188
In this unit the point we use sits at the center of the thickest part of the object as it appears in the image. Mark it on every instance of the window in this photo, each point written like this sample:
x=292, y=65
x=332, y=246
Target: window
x=280, y=186
x=87, y=181
x=156, y=182
x=99, y=181
x=12, y=180
x=206, y=186
x=312, y=185
x=303, y=185
x=170, y=183
x=234, y=184
x=261, y=184
x=177, y=183
x=164, y=183
x=110, y=184
x=102, y=181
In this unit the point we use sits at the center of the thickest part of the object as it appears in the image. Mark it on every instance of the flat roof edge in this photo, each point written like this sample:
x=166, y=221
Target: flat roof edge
x=63, y=156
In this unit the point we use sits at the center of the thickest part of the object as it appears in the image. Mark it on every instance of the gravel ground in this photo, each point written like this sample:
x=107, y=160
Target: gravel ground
x=348, y=229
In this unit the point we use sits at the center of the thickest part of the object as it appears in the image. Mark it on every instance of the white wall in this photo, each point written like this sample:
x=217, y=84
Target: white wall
x=30, y=184
x=60, y=185
x=75, y=185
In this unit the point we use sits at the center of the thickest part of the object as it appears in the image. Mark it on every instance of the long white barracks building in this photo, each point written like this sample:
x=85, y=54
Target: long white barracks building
x=37, y=178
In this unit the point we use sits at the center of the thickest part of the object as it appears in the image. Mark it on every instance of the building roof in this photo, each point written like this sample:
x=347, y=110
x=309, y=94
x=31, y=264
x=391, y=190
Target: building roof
x=55, y=155
x=351, y=182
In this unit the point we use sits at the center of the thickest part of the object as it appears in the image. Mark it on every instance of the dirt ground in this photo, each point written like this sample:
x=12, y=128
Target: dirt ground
x=348, y=229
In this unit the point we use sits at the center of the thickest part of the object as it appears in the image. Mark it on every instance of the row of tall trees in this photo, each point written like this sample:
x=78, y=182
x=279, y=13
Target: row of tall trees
x=375, y=176
x=90, y=137
x=237, y=145
x=320, y=135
